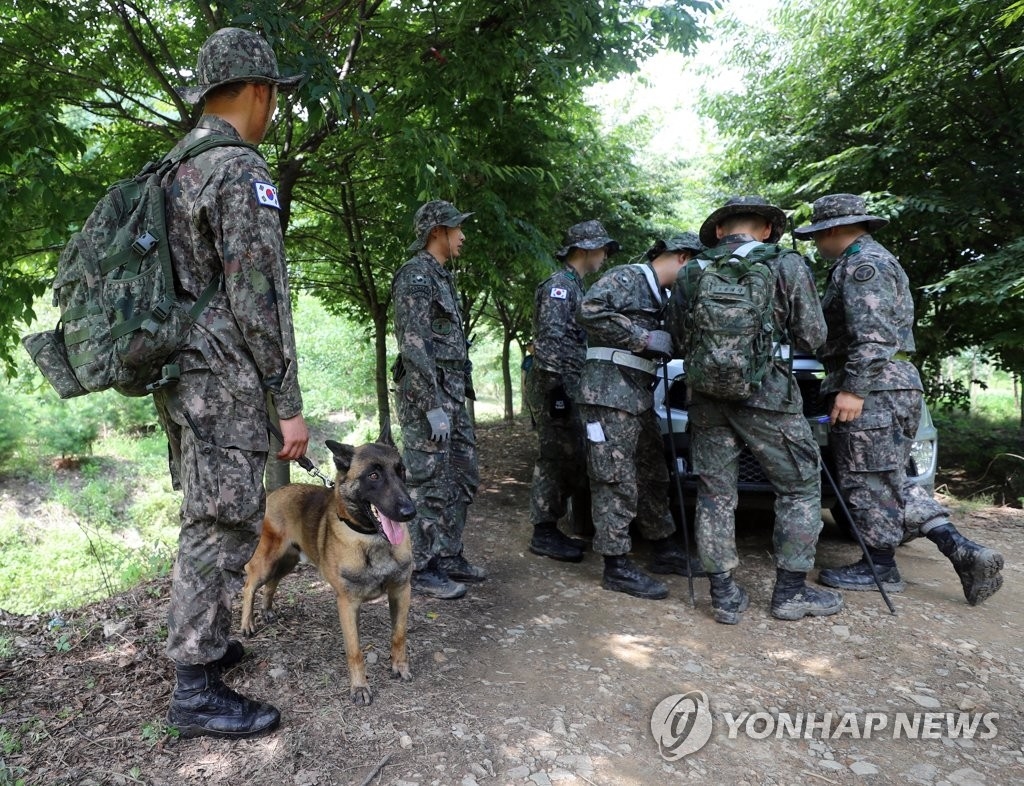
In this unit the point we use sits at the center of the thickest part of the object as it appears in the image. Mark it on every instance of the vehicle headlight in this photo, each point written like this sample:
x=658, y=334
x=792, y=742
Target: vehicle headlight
x=923, y=454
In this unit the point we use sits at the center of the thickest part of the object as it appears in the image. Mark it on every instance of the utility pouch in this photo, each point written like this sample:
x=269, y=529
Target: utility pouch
x=48, y=352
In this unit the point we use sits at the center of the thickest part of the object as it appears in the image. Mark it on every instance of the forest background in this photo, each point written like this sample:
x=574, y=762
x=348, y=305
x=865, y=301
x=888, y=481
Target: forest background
x=534, y=115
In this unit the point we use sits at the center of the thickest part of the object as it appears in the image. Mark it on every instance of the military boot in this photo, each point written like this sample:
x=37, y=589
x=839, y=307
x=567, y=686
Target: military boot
x=728, y=599
x=548, y=541
x=670, y=558
x=232, y=655
x=621, y=575
x=202, y=705
x=793, y=598
x=977, y=566
x=858, y=576
x=436, y=583
x=459, y=568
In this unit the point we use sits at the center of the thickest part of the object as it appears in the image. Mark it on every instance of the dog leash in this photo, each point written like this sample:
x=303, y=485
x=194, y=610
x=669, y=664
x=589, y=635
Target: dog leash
x=303, y=461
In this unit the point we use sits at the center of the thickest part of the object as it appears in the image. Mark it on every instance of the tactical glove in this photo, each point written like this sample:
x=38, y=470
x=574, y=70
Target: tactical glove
x=440, y=427
x=558, y=403
x=659, y=345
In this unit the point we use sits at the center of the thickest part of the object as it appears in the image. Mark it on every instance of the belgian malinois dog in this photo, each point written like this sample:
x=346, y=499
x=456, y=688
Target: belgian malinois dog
x=356, y=534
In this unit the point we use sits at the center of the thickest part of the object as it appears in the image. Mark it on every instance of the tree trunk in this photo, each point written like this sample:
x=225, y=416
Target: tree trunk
x=380, y=344
x=506, y=374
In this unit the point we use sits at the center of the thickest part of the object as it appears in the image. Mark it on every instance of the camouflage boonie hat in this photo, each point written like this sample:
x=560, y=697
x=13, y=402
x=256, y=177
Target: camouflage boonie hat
x=235, y=55
x=587, y=235
x=436, y=213
x=838, y=210
x=743, y=205
x=688, y=241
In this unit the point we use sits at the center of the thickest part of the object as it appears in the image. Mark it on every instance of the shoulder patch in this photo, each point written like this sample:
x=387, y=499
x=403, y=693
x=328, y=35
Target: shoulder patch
x=864, y=272
x=266, y=194
x=560, y=293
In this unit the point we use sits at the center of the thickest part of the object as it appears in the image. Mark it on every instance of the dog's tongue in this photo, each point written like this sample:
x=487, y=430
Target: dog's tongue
x=392, y=530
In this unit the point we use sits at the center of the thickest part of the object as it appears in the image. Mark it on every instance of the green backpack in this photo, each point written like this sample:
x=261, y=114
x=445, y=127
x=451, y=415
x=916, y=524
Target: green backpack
x=730, y=331
x=120, y=317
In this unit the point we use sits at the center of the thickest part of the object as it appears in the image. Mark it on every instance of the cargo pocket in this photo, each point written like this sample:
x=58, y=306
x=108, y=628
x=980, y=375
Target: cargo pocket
x=804, y=455
x=603, y=459
x=867, y=444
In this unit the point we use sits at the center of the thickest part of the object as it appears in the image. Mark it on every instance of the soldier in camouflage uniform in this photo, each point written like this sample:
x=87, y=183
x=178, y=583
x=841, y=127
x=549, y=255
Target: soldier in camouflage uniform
x=560, y=346
x=626, y=346
x=432, y=376
x=223, y=218
x=877, y=405
x=770, y=423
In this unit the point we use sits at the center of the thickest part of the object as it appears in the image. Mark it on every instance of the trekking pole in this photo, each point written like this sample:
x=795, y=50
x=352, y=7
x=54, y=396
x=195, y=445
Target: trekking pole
x=679, y=487
x=856, y=532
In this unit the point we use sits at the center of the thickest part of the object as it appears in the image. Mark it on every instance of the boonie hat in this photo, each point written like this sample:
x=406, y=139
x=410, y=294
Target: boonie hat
x=587, y=235
x=688, y=241
x=235, y=55
x=436, y=213
x=742, y=205
x=838, y=210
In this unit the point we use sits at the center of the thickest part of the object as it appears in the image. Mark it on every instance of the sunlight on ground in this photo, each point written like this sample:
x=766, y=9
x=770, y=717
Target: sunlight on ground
x=636, y=650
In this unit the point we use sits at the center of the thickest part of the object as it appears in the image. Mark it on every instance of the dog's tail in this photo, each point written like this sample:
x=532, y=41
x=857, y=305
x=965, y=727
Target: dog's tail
x=385, y=437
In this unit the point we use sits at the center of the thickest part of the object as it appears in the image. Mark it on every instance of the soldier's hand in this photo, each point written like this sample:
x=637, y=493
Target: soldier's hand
x=558, y=403
x=659, y=345
x=440, y=427
x=294, y=438
x=847, y=407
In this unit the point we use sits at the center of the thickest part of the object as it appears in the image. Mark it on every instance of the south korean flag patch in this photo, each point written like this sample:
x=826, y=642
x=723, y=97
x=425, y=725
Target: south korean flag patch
x=266, y=194
x=561, y=293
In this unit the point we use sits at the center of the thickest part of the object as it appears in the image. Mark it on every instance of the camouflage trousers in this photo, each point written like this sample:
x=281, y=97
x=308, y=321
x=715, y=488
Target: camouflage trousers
x=560, y=470
x=628, y=477
x=784, y=446
x=871, y=455
x=217, y=455
x=442, y=480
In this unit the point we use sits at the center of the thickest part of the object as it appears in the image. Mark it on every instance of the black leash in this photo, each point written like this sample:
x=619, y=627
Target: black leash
x=303, y=461
x=679, y=486
x=856, y=532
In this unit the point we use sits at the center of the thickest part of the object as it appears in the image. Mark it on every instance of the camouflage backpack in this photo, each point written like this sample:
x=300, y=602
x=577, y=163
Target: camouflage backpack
x=729, y=323
x=120, y=318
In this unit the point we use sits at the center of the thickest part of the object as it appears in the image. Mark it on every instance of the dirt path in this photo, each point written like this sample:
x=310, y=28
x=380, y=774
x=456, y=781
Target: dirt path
x=539, y=676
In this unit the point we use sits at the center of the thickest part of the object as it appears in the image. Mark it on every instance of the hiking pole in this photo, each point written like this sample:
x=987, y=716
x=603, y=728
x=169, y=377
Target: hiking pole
x=679, y=487
x=856, y=532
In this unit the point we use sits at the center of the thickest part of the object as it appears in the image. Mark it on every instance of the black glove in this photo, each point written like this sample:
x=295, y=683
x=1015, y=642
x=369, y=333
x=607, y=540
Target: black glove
x=558, y=403
x=659, y=345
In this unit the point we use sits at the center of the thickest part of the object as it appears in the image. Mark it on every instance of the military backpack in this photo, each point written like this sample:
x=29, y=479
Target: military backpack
x=730, y=333
x=121, y=320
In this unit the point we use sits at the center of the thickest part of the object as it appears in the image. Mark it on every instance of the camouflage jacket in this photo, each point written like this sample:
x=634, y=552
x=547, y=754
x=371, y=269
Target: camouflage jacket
x=797, y=315
x=223, y=217
x=618, y=312
x=870, y=317
x=428, y=327
x=559, y=342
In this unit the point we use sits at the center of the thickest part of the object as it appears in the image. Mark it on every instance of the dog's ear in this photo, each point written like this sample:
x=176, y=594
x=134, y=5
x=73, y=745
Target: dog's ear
x=385, y=437
x=342, y=454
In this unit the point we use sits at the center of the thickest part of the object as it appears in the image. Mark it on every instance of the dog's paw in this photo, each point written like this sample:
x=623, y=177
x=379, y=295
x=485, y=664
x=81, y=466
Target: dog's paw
x=362, y=696
x=401, y=671
x=248, y=630
x=269, y=616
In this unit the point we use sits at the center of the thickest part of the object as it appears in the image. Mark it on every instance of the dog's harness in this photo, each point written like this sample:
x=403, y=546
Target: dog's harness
x=302, y=461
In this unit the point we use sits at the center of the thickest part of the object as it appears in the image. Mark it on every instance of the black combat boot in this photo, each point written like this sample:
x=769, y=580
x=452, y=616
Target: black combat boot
x=232, y=655
x=459, y=568
x=670, y=558
x=858, y=576
x=548, y=541
x=728, y=599
x=621, y=575
x=794, y=599
x=436, y=583
x=202, y=705
x=977, y=566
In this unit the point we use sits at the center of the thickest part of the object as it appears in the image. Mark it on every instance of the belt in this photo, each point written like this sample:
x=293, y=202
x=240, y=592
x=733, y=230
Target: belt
x=837, y=364
x=623, y=357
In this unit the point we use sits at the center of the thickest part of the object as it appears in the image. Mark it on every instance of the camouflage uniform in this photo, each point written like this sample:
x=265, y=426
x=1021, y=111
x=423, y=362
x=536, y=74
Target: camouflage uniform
x=560, y=346
x=770, y=423
x=220, y=220
x=443, y=476
x=870, y=317
x=625, y=463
